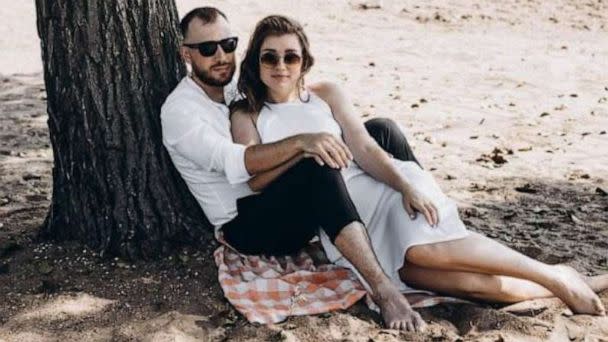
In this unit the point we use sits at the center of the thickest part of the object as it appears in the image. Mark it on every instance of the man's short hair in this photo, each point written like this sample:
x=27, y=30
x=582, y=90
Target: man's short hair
x=207, y=15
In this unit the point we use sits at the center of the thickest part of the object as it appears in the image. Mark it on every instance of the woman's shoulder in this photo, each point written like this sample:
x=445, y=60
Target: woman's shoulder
x=325, y=89
x=330, y=92
x=239, y=106
x=240, y=109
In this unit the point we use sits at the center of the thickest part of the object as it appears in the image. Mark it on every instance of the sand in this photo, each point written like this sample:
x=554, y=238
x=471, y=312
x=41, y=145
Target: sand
x=505, y=102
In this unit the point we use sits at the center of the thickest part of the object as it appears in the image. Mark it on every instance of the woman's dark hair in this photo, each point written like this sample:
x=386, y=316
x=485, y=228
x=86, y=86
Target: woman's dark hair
x=250, y=85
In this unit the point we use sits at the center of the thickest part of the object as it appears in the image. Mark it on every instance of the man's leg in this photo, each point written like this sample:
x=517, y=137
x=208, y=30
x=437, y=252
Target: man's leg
x=306, y=197
x=354, y=244
x=326, y=189
x=390, y=137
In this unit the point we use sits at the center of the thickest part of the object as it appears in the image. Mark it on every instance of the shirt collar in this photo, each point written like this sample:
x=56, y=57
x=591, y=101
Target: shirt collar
x=190, y=82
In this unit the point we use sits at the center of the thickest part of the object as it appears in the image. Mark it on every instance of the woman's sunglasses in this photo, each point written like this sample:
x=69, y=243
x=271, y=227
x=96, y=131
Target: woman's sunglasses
x=272, y=59
x=209, y=48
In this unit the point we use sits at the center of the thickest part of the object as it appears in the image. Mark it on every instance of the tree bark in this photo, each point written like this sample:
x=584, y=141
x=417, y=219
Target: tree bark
x=108, y=66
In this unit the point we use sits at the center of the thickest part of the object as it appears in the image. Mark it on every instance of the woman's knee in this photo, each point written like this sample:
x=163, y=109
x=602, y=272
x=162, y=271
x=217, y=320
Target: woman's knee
x=410, y=274
x=428, y=255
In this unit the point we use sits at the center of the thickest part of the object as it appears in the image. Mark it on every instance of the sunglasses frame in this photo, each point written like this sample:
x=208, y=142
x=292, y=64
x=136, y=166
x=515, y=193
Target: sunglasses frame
x=215, y=43
x=277, y=59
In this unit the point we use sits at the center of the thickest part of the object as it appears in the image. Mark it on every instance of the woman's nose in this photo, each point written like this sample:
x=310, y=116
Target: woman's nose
x=281, y=64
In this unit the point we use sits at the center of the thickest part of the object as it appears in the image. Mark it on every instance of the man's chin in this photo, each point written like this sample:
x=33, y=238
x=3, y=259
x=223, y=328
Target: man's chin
x=217, y=81
x=224, y=79
x=223, y=82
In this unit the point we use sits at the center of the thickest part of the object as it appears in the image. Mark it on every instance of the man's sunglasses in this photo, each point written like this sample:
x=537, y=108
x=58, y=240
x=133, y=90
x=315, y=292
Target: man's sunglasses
x=272, y=59
x=209, y=48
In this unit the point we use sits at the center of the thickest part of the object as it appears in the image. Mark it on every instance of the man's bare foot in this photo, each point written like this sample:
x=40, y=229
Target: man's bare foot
x=571, y=288
x=396, y=310
x=597, y=283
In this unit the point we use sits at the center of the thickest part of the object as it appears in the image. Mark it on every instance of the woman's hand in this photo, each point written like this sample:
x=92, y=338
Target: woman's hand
x=413, y=201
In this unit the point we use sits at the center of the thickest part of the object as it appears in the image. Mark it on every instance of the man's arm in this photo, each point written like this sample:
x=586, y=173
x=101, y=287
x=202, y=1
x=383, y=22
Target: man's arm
x=242, y=126
x=262, y=180
x=244, y=132
x=198, y=141
x=323, y=147
x=261, y=158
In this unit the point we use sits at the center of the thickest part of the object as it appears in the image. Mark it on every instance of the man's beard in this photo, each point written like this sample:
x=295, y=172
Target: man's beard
x=205, y=76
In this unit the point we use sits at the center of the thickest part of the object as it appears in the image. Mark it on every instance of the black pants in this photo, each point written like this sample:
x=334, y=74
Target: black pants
x=388, y=135
x=287, y=214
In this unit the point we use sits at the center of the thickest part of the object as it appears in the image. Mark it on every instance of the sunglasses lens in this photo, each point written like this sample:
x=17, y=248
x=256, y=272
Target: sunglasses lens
x=229, y=45
x=270, y=59
x=207, y=49
x=292, y=58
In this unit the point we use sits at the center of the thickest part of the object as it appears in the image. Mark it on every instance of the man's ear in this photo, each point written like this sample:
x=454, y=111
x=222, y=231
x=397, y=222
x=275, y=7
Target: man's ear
x=185, y=53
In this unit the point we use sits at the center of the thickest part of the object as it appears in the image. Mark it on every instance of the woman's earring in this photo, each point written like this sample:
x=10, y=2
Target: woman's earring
x=301, y=89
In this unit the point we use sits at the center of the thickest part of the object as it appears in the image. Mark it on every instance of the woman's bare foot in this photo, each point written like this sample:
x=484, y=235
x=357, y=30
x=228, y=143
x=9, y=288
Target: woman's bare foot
x=571, y=288
x=396, y=310
x=597, y=283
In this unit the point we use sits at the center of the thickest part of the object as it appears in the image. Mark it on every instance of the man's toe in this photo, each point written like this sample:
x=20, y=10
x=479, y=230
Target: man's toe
x=410, y=326
x=420, y=324
x=402, y=326
x=599, y=307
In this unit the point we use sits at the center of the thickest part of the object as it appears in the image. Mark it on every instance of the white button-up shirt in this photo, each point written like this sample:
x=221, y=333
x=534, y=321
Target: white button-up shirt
x=196, y=132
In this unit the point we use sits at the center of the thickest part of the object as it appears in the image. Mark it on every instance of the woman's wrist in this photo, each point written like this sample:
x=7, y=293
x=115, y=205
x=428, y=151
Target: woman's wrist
x=404, y=186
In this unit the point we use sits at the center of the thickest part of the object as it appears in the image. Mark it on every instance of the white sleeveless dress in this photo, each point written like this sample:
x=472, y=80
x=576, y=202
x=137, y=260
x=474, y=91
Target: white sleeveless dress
x=390, y=228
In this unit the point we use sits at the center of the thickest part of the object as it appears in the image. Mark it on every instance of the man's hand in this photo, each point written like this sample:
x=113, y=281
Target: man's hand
x=325, y=148
x=414, y=201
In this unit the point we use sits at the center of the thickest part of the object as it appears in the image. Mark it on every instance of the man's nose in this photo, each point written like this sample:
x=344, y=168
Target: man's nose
x=219, y=53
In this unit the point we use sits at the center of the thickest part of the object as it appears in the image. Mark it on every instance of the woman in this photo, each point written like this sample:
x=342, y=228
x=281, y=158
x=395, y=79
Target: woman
x=431, y=252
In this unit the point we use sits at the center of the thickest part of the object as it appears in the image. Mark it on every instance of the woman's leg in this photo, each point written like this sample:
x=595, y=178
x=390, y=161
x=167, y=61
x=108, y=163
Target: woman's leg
x=486, y=287
x=478, y=254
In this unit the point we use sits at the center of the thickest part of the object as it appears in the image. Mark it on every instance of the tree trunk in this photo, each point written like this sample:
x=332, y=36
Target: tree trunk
x=108, y=66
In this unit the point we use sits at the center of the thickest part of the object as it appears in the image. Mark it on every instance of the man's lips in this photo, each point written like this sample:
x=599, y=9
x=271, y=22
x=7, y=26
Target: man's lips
x=224, y=67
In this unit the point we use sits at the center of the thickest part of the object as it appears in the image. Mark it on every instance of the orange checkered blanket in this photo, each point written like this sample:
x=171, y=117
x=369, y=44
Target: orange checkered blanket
x=269, y=289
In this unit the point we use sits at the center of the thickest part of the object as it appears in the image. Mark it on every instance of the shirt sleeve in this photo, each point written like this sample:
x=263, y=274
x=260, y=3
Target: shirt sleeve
x=197, y=141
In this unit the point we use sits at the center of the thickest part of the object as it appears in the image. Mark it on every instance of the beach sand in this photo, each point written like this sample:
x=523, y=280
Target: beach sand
x=506, y=102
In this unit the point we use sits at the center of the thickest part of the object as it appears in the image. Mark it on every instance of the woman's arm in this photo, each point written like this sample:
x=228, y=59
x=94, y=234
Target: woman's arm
x=242, y=126
x=368, y=154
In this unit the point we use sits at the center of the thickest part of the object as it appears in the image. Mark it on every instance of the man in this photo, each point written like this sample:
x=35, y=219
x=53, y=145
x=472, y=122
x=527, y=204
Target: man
x=196, y=133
